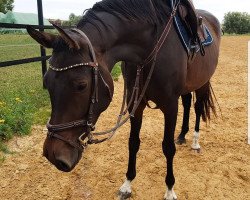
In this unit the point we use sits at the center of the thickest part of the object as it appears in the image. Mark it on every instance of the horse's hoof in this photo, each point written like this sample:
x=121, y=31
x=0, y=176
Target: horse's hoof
x=180, y=141
x=196, y=147
x=170, y=195
x=124, y=195
x=125, y=190
x=196, y=150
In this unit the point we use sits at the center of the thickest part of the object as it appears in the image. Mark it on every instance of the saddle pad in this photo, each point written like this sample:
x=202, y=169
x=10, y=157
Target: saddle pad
x=186, y=39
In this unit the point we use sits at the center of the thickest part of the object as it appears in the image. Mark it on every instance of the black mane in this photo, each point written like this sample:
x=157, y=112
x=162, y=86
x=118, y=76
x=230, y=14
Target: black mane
x=150, y=11
x=146, y=11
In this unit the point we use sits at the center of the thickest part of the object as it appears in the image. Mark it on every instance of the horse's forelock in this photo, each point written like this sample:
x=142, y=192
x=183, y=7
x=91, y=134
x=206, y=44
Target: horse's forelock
x=60, y=45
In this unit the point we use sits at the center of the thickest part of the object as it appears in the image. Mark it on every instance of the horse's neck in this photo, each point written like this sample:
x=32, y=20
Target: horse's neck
x=123, y=42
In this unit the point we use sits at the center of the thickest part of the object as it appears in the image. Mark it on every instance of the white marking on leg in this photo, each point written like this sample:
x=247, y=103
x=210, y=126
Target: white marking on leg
x=170, y=195
x=125, y=190
x=195, y=144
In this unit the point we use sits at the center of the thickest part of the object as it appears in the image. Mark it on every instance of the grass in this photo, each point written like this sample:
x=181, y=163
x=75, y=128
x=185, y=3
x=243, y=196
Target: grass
x=116, y=72
x=23, y=101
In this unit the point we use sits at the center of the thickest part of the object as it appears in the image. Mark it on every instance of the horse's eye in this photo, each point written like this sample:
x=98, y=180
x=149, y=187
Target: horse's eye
x=81, y=86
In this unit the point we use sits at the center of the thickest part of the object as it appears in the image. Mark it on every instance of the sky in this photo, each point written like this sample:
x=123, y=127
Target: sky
x=61, y=9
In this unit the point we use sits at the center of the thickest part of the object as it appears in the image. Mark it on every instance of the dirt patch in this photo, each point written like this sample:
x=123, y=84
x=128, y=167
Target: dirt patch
x=220, y=171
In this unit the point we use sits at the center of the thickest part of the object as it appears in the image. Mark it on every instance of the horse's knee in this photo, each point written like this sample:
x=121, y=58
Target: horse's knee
x=168, y=148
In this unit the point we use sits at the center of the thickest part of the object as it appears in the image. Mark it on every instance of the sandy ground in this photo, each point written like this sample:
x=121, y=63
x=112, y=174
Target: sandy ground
x=220, y=171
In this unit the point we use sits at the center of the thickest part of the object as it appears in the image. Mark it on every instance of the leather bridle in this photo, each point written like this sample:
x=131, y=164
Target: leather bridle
x=87, y=137
x=54, y=129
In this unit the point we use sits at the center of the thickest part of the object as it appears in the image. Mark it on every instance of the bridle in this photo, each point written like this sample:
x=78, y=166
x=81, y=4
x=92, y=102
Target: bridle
x=54, y=129
x=87, y=137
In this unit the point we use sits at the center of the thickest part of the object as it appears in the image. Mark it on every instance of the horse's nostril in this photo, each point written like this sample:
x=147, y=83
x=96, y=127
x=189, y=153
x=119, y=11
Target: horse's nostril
x=63, y=166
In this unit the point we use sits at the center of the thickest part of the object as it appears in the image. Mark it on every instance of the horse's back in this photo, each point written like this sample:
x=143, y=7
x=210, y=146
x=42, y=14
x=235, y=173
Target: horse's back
x=211, y=21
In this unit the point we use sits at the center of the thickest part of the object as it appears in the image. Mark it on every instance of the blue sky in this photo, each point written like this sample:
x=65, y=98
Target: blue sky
x=62, y=8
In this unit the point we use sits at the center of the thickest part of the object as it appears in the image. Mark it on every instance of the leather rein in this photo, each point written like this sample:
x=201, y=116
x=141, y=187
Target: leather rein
x=135, y=100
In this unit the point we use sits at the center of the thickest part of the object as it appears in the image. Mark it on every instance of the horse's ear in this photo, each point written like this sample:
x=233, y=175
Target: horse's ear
x=67, y=37
x=45, y=39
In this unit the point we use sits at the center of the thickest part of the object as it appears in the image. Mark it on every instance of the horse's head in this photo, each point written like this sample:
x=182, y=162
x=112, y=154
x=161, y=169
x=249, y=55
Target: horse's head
x=79, y=91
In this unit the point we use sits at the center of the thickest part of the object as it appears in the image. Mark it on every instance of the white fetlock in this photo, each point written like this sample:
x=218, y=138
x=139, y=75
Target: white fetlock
x=125, y=190
x=170, y=195
x=196, y=145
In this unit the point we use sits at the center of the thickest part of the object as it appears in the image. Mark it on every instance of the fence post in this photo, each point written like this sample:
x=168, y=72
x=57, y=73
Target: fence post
x=41, y=23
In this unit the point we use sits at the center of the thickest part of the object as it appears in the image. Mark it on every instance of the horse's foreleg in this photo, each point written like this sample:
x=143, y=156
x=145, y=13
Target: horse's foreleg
x=168, y=145
x=134, y=144
x=186, y=102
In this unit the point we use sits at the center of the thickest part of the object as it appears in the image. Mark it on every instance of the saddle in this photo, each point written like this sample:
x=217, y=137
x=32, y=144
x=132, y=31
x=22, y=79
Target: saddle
x=198, y=34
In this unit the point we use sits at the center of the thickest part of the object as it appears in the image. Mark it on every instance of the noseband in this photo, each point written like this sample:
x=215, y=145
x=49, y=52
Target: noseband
x=87, y=137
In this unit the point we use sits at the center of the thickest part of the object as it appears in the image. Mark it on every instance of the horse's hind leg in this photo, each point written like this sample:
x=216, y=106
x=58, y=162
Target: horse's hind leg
x=186, y=102
x=168, y=145
x=134, y=144
x=198, y=106
x=201, y=105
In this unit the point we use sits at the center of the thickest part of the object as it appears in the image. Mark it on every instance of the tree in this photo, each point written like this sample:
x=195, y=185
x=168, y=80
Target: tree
x=73, y=20
x=6, y=5
x=236, y=22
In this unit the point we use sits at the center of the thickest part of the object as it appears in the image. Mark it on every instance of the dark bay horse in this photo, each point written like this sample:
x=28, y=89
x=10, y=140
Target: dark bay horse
x=81, y=87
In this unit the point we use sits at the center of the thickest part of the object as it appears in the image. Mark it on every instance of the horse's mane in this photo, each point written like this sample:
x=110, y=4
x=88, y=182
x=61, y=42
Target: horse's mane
x=149, y=11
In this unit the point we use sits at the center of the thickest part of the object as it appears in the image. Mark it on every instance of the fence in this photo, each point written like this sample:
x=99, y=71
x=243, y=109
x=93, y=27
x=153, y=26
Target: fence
x=27, y=60
x=41, y=27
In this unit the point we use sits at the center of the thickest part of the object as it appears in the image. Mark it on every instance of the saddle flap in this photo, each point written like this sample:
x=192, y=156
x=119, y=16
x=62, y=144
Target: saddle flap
x=188, y=15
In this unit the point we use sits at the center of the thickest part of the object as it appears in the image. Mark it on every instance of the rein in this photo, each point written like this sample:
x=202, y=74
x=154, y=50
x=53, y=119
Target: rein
x=87, y=137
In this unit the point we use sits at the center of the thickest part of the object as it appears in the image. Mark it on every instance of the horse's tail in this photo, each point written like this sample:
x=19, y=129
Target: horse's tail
x=206, y=104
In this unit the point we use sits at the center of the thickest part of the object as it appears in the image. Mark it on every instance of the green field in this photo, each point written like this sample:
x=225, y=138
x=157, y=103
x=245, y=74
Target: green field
x=23, y=101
